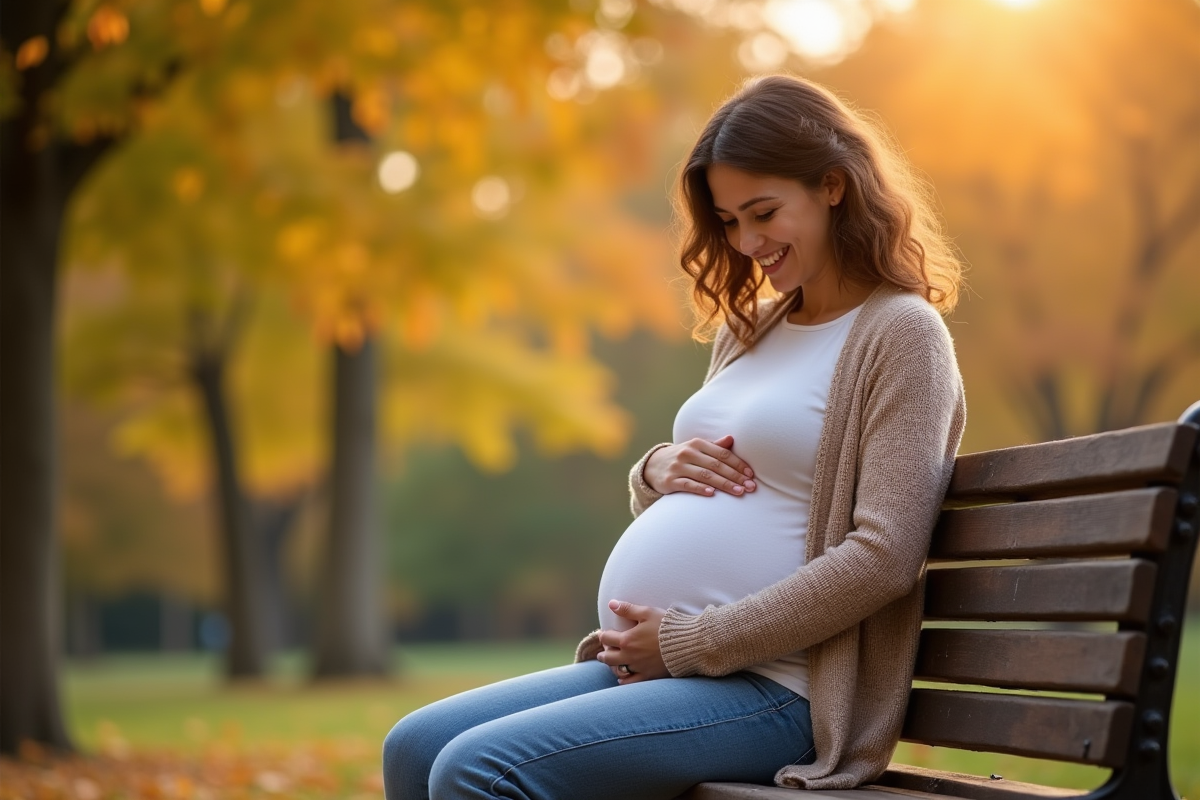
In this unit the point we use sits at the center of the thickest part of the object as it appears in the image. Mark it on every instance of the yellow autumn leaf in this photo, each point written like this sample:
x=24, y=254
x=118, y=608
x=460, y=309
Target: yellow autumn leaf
x=299, y=239
x=107, y=26
x=32, y=52
x=349, y=334
x=237, y=16
x=375, y=40
x=371, y=109
x=352, y=259
x=188, y=184
x=569, y=339
x=419, y=327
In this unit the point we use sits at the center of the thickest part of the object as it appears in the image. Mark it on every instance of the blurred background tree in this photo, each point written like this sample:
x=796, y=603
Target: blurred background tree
x=1069, y=173
x=187, y=91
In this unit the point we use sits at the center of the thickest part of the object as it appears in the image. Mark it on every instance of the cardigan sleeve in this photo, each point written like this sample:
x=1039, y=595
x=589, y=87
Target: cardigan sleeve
x=911, y=417
x=641, y=495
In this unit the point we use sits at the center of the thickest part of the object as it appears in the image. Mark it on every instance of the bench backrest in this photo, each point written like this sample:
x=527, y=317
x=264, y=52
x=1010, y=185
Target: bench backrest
x=1084, y=546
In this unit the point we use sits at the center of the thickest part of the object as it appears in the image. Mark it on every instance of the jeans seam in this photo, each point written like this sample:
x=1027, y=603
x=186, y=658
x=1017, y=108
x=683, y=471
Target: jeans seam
x=510, y=768
x=810, y=751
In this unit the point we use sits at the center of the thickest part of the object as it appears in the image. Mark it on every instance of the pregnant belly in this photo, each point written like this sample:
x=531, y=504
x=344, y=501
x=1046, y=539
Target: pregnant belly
x=690, y=552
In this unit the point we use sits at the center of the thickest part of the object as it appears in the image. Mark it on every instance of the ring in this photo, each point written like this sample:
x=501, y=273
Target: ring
x=624, y=669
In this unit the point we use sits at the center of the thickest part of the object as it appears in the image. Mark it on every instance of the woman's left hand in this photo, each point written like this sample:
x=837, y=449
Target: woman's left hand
x=637, y=648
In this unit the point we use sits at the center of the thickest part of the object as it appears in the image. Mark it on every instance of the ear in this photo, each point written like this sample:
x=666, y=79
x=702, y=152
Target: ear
x=834, y=185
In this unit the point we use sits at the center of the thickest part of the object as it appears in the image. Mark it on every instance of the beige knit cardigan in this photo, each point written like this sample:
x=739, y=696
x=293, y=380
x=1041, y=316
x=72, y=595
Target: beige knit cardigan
x=893, y=423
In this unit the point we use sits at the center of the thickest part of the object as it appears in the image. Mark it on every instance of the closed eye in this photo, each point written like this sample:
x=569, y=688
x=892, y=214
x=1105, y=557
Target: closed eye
x=729, y=223
x=766, y=215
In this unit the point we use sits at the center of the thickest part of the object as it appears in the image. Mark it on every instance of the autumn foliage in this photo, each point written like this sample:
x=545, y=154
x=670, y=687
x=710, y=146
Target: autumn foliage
x=220, y=771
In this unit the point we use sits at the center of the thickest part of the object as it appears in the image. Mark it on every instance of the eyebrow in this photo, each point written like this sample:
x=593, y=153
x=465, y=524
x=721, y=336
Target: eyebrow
x=748, y=203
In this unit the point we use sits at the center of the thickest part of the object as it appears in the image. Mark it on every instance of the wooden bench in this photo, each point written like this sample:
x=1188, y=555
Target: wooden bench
x=1081, y=550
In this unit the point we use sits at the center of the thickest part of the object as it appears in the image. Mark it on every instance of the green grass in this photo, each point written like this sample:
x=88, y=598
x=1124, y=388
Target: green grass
x=180, y=703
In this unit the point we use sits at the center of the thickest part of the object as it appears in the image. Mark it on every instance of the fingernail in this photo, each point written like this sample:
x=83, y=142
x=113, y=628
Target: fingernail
x=738, y=490
x=751, y=486
x=613, y=604
x=749, y=472
x=708, y=490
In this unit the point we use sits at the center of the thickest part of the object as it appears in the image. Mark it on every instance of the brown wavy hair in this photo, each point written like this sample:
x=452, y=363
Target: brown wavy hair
x=885, y=229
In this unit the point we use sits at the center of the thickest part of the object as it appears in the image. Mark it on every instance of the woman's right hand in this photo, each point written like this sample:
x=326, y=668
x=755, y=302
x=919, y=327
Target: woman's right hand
x=699, y=466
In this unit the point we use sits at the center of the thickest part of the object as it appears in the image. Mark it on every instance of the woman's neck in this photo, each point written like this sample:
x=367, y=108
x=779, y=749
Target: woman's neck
x=826, y=301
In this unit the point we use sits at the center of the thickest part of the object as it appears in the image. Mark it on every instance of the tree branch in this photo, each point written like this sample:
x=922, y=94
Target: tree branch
x=1158, y=374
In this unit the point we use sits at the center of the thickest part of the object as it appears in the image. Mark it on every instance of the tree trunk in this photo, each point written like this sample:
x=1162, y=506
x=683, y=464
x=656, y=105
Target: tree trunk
x=29, y=704
x=33, y=196
x=246, y=657
x=274, y=520
x=350, y=629
x=174, y=624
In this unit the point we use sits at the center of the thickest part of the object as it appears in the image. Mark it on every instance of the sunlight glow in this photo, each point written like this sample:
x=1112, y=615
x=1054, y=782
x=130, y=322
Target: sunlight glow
x=398, y=171
x=817, y=29
x=1016, y=3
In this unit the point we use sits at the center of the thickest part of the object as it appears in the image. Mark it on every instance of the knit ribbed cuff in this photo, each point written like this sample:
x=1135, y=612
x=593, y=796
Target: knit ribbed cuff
x=683, y=644
x=640, y=493
x=589, y=648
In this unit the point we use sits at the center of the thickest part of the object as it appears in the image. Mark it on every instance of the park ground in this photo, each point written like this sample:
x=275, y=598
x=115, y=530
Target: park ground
x=165, y=727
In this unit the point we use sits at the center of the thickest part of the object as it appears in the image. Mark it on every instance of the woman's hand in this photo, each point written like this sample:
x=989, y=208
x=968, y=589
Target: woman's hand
x=633, y=655
x=699, y=466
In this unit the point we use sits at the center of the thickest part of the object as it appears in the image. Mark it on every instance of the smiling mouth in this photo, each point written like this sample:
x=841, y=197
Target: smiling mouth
x=769, y=260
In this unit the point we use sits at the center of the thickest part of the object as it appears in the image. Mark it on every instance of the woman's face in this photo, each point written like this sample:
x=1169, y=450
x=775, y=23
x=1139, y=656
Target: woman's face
x=782, y=225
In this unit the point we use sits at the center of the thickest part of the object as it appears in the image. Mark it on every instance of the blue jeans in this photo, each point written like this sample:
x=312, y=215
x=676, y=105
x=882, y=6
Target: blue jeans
x=573, y=733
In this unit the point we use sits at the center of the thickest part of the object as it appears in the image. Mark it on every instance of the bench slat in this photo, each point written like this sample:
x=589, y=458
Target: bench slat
x=1119, y=459
x=971, y=787
x=1093, y=590
x=1083, y=731
x=1068, y=661
x=1095, y=525
x=749, y=791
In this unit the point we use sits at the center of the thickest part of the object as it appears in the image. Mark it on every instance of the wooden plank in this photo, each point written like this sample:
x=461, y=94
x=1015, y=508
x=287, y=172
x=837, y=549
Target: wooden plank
x=972, y=787
x=1152, y=454
x=747, y=791
x=1138, y=520
x=1084, y=590
x=1067, y=661
x=1083, y=731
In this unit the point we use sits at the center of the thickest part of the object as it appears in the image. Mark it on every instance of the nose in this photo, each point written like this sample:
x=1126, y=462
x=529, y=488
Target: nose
x=749, y=240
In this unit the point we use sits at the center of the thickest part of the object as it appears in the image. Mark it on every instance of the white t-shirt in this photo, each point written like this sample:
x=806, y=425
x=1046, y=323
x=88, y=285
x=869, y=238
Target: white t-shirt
x=690, y=551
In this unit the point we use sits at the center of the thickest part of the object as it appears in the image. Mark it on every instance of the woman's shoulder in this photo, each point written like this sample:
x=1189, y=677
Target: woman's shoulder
x=901, y=315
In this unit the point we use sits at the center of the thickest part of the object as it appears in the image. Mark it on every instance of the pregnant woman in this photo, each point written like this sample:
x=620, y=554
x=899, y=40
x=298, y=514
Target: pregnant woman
x=759, y=618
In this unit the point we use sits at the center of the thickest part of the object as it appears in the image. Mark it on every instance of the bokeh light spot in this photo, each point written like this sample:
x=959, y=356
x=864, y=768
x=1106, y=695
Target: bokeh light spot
x=605, y=66
x=614, y=13
x=491, y=197
x=563, y=83
x=398, y=171
x=647, y=51
x=762, y=52
x=815, y=28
